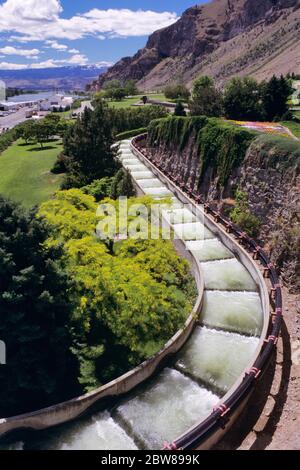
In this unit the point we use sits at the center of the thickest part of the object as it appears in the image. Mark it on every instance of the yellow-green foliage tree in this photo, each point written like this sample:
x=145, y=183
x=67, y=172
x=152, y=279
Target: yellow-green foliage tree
x=130, y=295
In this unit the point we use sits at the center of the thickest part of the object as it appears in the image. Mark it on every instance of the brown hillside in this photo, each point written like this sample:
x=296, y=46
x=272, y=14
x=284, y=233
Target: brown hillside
x=222, y=38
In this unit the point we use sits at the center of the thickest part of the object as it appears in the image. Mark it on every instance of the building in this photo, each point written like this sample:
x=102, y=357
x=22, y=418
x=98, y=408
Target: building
x=15, y=105
x=56, y=102
x=296, y=95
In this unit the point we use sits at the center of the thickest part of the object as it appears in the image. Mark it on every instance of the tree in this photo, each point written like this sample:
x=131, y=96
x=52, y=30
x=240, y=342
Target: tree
x=179, y=110
x=118, y=94
x=88, y=144
x=35, y=312
x=130, y=88
x=134, y=118
x=177, y=92
x=206, y=99
x=111, y=84
x=26, y=131
x=242, y=99
x=52, y=119
x=129, y=299
x=122, y=185
x=43, y=130
x=275, y=97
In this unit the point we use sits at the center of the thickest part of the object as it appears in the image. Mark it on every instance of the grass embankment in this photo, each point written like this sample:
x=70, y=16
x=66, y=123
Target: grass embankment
x=294, y=127
x=135, y=99
x=25, y=172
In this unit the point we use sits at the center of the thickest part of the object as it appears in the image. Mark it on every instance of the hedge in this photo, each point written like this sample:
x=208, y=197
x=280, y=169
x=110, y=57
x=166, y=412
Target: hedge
x=133, y=133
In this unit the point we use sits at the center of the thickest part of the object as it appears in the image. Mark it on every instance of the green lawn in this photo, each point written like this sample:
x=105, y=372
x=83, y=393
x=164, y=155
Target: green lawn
x=294, y=127
x=130, y=101
x=25, y=172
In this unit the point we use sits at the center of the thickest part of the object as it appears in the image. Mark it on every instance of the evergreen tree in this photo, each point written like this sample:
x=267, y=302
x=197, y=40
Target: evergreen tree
x=179, y=110
x=275, y=97
x=88, y=145
x=122, y=185
x=34, y=315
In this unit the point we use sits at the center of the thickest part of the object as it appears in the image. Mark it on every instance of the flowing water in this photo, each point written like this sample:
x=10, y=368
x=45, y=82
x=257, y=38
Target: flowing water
x=149, y=183
x=142, y=175
x=211, y=357
x=99, y=432
x=227, y=275
x=233, y=311
x=208, y=366
x=161, y=191
x=168, y=407
x=192, y=231
x=208, y=250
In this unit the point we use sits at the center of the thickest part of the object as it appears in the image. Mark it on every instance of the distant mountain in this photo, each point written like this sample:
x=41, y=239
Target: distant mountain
x=61, y=78
x=222, y=38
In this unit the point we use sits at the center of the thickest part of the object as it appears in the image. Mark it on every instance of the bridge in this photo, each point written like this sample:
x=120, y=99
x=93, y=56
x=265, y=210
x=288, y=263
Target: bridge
x=191, y=392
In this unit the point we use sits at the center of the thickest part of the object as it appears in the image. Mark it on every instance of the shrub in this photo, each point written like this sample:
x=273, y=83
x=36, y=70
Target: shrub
x=61, y=164
x=179, y=110
x=134, y=118
x=177, y=91
x=242, y=216
x=99, y=189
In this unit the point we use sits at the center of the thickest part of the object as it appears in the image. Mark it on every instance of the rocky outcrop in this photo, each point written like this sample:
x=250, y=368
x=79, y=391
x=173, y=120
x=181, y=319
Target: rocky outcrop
x=221, y=38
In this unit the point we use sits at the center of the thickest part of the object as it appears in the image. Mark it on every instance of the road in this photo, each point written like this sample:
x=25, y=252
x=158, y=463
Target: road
x=84, y=104
x=12, y=120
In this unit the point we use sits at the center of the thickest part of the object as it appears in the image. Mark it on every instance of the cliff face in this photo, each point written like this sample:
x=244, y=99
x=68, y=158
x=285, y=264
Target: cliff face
x=221, y=38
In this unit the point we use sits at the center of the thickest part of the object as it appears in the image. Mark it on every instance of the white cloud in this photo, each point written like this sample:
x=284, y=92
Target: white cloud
x=10, y=66
x=73, y=51
x=78, y=59
x=104, y=64
x=40, y=20
x=29, y=53
x=58, y=47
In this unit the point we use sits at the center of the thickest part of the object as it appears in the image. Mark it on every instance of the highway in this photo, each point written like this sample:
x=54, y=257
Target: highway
x=12, y=120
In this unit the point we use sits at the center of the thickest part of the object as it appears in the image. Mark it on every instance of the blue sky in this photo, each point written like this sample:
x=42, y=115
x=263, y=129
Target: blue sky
x=41, y=33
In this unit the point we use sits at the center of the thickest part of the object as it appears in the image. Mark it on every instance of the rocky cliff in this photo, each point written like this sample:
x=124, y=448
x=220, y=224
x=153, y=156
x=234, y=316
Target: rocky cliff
x=222, y=38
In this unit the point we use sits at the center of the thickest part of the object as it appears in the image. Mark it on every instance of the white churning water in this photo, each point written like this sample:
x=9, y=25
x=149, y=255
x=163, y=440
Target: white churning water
x=211, y=357
x=99, y=432
x=192, y=231
x=233, y=311
x=170, y=405
x=227, y=275
x=208, y=250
